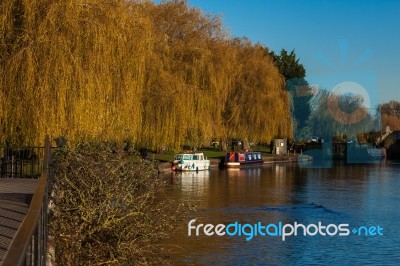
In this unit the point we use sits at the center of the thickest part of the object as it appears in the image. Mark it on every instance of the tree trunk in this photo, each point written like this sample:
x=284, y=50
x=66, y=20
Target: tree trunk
x=222, y=144
x=246, y=144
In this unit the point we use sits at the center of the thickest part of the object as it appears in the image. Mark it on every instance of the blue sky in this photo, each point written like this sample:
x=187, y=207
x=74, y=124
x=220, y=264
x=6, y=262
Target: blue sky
x=336, y=41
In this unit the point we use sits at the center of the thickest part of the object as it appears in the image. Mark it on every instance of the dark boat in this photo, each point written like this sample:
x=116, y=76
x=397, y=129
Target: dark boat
x=358, y=153
x=238, y=159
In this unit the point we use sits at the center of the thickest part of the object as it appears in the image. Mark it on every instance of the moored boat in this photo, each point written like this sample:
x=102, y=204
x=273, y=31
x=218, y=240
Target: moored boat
x=364, y=154
x=238, y=159
x=190, y=162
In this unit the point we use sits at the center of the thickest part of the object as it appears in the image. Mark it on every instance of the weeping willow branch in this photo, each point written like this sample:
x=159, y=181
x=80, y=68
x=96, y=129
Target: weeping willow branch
x=156, y=75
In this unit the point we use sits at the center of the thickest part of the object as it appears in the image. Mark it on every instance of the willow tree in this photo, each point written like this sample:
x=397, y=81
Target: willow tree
x=199, y=82
x=73, y=68
x=160, y=75
x=222, y=78
x=178, y=101
x=258, y=104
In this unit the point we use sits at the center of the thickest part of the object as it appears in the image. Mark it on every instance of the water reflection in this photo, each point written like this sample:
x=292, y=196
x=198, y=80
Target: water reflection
x=355, y=194
x=193, y=181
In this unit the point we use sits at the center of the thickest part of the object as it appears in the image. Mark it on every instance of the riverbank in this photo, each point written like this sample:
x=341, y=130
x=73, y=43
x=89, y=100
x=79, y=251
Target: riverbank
x=165, y=167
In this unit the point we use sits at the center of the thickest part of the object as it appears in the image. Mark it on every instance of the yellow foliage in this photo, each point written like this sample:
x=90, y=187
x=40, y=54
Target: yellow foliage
x=158, y=75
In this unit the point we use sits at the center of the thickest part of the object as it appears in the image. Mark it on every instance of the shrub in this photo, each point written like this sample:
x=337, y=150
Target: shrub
x=109, y=207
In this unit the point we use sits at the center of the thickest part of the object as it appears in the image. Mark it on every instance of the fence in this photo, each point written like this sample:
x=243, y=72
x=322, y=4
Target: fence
x=29, y=245
x=22, y=162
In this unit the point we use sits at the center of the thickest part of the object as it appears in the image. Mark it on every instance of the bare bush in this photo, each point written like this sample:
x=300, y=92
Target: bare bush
x=109, y=208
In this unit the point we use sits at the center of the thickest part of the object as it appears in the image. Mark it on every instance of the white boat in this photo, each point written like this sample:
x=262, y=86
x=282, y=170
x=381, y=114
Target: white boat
x=190, y=162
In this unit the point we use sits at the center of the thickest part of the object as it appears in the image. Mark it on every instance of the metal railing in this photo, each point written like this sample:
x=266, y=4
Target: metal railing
x=21, y=162
x=29, y=244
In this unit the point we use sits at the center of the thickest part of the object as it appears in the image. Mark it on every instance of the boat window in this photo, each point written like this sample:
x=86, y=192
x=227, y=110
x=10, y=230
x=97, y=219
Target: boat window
x=259, y=156
x=201, y=157
x=178, y=157
x=249, y=157
x=254, y=156
x=187, y=157
x=195, y=157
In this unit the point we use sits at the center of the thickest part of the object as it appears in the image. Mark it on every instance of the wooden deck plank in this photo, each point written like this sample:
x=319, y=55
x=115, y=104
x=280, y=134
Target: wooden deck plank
x=18, y=185
x=15, y=197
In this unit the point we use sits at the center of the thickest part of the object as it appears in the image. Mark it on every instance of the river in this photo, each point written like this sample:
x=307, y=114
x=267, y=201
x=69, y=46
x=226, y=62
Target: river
x=359, y=197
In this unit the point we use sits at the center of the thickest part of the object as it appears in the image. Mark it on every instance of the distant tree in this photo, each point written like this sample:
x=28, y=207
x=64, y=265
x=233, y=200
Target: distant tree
x=390, y=113
x=300, y=92
x=338, y=115
x=391, y=108
x=289, y=65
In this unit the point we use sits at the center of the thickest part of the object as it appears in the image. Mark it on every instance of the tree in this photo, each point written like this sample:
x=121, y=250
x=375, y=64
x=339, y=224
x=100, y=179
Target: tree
x=258, y=107
x=156, y=75
x=289, y=65
x=390, y=113
x=337, y=115
x=300, y=92
x=72, y=69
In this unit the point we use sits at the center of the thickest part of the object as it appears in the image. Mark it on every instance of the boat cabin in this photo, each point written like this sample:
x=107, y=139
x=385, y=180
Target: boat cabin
x=190, y=157
x=242, y=158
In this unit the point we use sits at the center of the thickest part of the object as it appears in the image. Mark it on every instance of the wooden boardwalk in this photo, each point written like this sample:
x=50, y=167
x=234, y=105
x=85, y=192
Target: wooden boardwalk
x=15, y=197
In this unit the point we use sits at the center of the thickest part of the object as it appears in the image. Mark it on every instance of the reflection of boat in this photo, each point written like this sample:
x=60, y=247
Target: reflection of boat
x=190, y=162
x=190, y=174
x=238, y=159
x=193, y=185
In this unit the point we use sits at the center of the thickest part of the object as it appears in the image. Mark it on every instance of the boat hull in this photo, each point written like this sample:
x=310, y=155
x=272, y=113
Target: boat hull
x=192, y=166
x=243, y=159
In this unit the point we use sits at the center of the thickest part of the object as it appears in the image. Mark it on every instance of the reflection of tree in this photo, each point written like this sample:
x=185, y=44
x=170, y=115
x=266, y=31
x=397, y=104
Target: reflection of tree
x=333, y=114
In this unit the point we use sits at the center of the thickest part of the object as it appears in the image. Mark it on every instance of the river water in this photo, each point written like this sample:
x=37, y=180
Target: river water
x=356, y=195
